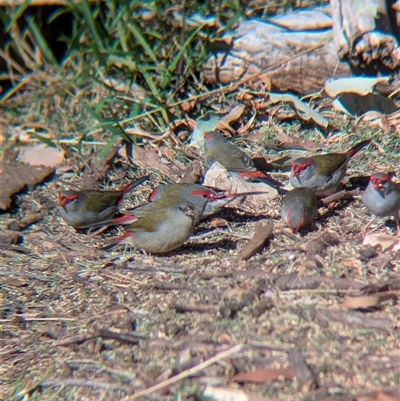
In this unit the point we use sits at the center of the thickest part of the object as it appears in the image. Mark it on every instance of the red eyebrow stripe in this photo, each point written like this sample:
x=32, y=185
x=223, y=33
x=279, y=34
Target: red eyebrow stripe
x=199, y=192
x=63, y=199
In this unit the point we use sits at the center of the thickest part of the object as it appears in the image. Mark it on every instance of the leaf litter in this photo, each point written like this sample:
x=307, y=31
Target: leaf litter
x=114, y=325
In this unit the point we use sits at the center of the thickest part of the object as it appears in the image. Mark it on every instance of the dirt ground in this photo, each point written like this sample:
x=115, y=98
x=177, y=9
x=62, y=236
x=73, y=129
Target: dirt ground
x=79, y=323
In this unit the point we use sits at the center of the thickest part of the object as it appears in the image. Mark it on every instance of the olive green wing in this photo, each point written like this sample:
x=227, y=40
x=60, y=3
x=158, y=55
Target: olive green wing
x=331, y=162
x=98, y=201
x=232, y=158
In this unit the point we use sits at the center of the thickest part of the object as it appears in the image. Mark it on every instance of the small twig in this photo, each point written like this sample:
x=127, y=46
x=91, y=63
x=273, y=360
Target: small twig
x=15, y=248
x=103, y=333
x=186, y=373
x=98, y=232
x=84, y=383
x=112, y=335
x=25, y=274
x=219, y=231
x=341, y=195
x=317, y=291
x=182, y=308
x=159, y=285
x=44, y=319
x=99, y=367
x=80, y=338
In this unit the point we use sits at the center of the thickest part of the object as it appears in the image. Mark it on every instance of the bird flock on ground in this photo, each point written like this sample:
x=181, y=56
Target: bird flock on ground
x=168, y=219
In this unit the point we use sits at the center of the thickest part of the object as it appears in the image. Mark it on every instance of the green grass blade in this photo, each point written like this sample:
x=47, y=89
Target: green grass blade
x=58, y=13
x=108, y=146
x=155, y=92
x=41, y=41
x=124, y=61
x=142, y=41
x=20, y=10
x=44, y=140
x=107, y=124
x=175, y=61
x=84, y=7
x=123, y=38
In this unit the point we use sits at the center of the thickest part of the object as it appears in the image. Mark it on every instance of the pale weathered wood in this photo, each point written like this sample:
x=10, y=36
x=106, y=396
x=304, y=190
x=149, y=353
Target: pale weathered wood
x=257, y=45
x=363, y=33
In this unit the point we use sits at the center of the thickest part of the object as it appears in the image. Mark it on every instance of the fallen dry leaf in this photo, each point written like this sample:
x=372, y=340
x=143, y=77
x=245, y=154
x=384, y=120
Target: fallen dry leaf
x=64, y=169
x=303, y=110
x=192, y=173
x=380, y=396
x=42, y=155
x=14, y=177
x=147, y=158
x=262, y=232
x=229, y=394
x=48, y=245
x=218, y=223
x=234, y=114
x=97, y=168
x=187, y=106
x=288, y=142
x=386, y=241
x=367, y=301
x=263, y=375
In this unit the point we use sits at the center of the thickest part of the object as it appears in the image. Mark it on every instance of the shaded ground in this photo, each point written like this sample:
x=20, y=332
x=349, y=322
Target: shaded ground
x=143, y=319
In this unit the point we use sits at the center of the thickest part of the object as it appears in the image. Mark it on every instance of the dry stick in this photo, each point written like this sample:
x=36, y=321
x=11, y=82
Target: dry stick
x=187, y=307
x=338, y=196
x=84, y=383
x=88, y=363
x=103, y=333
x=80, y=338
x=186, y=373
x=218, y=232
x=44, y=319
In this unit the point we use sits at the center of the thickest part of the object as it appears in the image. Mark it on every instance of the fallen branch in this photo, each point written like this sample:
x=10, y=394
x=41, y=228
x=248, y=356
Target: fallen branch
x=341, y=195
